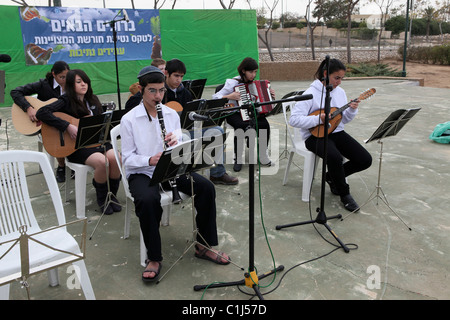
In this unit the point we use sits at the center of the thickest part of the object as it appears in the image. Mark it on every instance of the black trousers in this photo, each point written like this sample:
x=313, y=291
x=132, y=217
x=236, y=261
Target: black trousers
x=148, y=208
x=341, y=145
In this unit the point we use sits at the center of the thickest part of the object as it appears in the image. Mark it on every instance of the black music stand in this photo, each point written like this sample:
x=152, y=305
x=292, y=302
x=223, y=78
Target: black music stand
x=278, y=108
x=216, y=118
x=186, y=157
x=390, y=127
x=196, y=87
x=321, y=217
x=96, y=131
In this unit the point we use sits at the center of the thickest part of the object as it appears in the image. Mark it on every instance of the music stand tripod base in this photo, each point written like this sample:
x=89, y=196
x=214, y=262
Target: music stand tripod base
x=389, y=127
x=376, y=193
x=251, y=279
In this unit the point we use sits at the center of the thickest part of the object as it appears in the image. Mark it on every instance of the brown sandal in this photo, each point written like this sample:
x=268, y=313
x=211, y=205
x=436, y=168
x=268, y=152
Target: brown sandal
x=219, y=255
x=147, y=269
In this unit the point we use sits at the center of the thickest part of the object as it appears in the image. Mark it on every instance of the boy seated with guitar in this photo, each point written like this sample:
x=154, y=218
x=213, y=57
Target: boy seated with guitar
x=309, y=114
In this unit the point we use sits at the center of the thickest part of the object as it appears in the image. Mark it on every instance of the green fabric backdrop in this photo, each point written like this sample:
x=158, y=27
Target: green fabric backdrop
x=211, y=43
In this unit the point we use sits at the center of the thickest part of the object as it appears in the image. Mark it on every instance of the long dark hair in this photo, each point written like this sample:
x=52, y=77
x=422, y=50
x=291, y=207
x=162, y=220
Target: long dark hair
x=58, y=67
x=80, y=107
x=334, y=65
x=248, y=64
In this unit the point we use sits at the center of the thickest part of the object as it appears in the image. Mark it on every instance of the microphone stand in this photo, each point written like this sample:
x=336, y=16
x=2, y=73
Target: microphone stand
x=321, y=216
x=112, y=24
x=250, y=278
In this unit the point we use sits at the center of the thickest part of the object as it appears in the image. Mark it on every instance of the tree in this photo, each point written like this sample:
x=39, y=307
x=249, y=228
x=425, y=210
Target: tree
x=261, y=18
x=382, y=5
x=230, y=6
x=348, y=6
x=429, y=14
x=156, y=6
x=442, y=15
x=322, y=10
x=265, y=39
x=395, y=24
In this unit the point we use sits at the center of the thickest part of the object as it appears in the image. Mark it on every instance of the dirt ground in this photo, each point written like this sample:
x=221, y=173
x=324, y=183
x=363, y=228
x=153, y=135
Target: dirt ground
x=436, y=76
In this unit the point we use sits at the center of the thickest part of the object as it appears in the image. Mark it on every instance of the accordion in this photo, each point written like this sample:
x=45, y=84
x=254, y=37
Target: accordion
x=256, y=91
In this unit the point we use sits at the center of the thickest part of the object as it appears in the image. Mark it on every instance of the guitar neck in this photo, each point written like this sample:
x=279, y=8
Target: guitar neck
x=341, y=109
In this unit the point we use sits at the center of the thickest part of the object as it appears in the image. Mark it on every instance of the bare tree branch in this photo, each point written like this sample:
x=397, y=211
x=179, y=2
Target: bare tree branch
x=156, y=4
x=22, y=3
x=230, y=6
x=265, y=39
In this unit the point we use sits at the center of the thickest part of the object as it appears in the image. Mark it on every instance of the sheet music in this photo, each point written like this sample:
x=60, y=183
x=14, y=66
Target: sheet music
x=393, y=123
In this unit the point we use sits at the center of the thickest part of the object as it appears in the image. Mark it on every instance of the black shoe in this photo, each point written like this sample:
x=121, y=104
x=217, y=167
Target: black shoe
x=349, y=203
x=60, y=174
x=237, y=167
x=330, y=182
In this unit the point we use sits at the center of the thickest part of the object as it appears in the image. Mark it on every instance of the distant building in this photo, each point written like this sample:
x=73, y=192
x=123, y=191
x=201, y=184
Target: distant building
x=373, y=21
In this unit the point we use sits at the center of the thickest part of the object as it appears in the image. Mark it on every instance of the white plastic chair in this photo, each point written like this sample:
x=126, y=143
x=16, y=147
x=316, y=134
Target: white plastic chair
x=17, y=220
x=166, y=197
x=81, y=172
x=298, y=147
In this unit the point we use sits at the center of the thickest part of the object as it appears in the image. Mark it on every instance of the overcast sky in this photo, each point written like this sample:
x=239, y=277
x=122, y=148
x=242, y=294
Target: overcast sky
x=294, y=6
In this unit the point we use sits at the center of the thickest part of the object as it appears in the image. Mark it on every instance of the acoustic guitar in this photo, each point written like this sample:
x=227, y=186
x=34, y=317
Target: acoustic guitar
x=21, y=120
x=59, y=144
x=336, y=115
x=175, y=106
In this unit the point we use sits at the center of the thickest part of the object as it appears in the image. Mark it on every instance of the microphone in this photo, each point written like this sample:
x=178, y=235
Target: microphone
x=5, y=58
x=197, y=117
x=125, y=15
x=303, y=97
x=293, y=98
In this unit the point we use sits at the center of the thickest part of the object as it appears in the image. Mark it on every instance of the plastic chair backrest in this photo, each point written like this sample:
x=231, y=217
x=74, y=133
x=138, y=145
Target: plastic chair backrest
x=15, y=204
x=287, y=106
x=115, y=133
x=294, y=133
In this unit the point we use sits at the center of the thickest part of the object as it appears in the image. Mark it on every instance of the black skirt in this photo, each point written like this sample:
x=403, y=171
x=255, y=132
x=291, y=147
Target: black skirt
x=82, y=154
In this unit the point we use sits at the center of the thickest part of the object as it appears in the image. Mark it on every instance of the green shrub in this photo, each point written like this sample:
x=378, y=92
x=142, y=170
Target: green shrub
x=371, y=70
x=434, y=55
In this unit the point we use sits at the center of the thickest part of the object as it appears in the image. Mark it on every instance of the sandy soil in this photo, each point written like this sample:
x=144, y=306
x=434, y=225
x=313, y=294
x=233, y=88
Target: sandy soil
x=436, y=76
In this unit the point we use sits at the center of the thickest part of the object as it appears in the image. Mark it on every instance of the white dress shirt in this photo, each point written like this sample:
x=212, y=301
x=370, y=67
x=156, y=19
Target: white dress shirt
x=141, y=138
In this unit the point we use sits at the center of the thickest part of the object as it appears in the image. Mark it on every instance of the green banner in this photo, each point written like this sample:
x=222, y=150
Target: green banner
x=211, y=43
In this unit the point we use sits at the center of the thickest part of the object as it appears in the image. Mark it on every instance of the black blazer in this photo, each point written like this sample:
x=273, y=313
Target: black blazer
x=45, y=114
x=42, y=88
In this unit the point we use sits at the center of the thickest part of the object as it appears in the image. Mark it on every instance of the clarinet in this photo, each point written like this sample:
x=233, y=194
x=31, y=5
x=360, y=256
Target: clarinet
x=176, y=198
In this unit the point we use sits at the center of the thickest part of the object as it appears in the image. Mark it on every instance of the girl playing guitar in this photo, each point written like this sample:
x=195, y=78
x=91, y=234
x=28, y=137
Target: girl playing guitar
x=340, y=144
